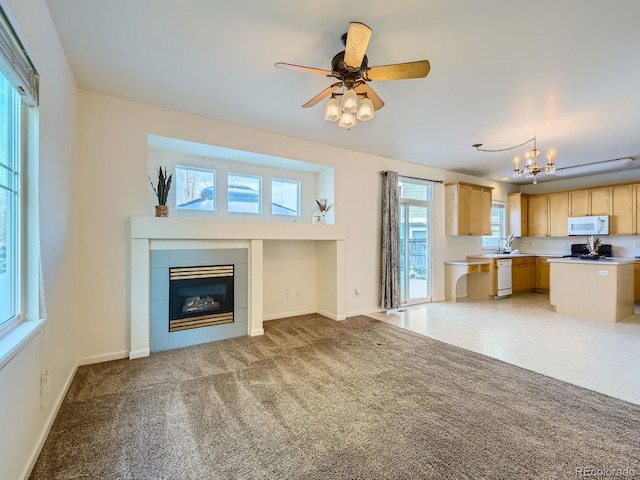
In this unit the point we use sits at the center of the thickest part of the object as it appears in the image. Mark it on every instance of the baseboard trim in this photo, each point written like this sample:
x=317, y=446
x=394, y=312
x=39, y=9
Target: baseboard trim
x=107, y=357
x=332, y=316
x=363, y=312
x=275, y=316
x=143, y=352
x=47, y=426
x=256, y=332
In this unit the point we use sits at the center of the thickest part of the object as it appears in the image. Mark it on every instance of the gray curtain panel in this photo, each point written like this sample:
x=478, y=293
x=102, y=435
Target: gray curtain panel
x=390, y=241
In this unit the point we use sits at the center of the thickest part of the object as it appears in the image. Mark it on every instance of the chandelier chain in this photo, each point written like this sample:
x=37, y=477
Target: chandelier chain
x=478, y=145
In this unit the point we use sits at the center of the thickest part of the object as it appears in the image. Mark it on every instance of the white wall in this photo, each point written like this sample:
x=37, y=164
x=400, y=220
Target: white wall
x=23, y=423
x=113, y=158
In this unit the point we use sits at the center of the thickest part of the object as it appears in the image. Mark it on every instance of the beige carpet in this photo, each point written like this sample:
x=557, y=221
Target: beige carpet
x=318, y=399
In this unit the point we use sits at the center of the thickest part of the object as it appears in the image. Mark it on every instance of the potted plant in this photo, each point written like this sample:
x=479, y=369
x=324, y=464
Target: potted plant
x=162, y=192
x=321, y=208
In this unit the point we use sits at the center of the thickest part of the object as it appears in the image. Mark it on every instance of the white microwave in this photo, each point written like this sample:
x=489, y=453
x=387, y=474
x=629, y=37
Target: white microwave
x=592, y=225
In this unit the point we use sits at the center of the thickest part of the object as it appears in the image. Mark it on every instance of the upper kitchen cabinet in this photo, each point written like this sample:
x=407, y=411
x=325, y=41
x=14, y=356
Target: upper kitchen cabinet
x=518, y=211
x=599, y=201
x=548, y=215
x=621, y=221
x=578, y=203
x=468, y=209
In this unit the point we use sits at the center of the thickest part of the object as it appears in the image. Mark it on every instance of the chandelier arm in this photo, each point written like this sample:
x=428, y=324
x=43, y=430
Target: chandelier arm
x=478, y=145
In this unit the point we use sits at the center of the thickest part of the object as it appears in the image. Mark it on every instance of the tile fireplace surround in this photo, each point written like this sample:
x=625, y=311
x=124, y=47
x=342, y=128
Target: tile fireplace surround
x=150, y=233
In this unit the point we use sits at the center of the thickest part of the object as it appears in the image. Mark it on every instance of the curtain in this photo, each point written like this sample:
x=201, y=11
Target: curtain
x=390, y=241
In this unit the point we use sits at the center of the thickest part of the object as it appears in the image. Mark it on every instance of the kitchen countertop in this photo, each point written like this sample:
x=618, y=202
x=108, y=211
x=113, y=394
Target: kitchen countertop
x=602, y=261
x=467, y=262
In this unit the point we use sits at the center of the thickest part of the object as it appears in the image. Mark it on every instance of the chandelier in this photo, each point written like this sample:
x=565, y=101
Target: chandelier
x=353, y=106
x=531, y=169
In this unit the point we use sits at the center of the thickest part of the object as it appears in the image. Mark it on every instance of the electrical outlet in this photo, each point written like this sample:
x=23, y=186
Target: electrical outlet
x=286, y=295
x=358, y=291
x=636, y=245
x=297, y=293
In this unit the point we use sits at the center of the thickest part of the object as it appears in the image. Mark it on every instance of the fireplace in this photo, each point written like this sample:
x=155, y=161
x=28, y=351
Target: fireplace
x=200, y=296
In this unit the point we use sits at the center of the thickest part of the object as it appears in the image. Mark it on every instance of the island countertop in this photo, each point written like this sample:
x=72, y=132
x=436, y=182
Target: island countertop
x=602, y=261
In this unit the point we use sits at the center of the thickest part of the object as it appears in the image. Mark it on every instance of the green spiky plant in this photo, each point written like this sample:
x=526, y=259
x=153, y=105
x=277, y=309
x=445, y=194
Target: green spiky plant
x=164, y=185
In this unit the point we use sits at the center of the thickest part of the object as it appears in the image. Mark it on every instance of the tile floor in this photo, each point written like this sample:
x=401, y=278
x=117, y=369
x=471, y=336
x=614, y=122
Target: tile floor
x=523, y=330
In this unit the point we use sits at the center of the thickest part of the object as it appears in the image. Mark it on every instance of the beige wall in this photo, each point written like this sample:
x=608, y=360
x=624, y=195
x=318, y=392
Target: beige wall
x=23, y=422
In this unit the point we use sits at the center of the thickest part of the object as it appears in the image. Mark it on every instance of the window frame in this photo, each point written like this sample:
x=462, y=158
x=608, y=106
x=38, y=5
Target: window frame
x=15, y=167
x=260, y=190
x=208, y=171
x=298, y=184
x=490, y=241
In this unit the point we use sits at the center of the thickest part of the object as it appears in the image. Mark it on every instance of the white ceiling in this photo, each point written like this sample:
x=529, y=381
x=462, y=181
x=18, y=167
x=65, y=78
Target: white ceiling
x=501, y=71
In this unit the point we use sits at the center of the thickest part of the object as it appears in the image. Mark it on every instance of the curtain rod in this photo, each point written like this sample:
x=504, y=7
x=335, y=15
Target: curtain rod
x=417, y=178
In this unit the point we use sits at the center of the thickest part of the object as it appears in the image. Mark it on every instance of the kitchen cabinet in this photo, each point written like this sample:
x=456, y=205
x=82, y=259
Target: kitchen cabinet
x=621, y=204
x=523, y=274
x=636, y=209
x=636, y=281
x=578, y=203
x=599, y=201
x=468, y=209
x=548, y=215
x=538, y=215
x=517, y=207
x=558, y=207
x=542, y=274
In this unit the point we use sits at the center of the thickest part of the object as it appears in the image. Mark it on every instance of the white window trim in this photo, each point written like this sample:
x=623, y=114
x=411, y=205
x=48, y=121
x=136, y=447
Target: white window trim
x=503, y=205
x=299, y=204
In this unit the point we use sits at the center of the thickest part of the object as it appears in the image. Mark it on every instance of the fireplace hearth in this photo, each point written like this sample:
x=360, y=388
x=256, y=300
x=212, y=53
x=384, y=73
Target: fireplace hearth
x=200, y=296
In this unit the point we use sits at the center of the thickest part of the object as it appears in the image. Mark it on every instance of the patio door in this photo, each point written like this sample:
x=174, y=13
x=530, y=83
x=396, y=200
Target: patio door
x=415, y=243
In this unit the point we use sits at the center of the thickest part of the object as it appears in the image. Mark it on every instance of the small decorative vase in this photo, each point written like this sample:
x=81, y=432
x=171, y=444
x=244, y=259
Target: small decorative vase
x=162, y=210
x=318, y=218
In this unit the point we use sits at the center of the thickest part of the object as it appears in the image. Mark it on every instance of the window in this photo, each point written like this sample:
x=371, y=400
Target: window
x=10, y=202
x=285, y=197
x=497, y=226
x=195, y=188
x=244, y=193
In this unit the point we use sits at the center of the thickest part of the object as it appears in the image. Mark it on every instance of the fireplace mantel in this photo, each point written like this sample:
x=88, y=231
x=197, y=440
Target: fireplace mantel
x=150, y=233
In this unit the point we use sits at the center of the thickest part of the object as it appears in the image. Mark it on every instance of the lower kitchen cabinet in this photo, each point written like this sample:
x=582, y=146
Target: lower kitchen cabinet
x=636, y=282
x=523, y=274
x=542, y=274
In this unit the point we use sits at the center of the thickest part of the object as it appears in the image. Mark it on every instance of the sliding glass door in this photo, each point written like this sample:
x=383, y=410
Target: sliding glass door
x=415, y=241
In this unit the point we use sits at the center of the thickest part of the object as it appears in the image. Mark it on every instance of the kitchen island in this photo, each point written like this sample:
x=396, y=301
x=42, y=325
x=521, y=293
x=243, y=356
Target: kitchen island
x=600, y=289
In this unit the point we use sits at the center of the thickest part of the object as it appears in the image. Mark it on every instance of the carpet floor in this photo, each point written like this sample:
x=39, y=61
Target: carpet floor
x=317, y=399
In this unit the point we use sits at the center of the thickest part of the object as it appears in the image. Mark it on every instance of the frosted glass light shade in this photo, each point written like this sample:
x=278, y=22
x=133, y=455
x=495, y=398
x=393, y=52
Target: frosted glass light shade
x=350, y=101
x=332, y=111
x=347, y=120
x=365, y=110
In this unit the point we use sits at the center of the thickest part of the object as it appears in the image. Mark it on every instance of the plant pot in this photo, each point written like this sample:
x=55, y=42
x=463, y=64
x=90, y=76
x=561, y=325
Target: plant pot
x=162, y=210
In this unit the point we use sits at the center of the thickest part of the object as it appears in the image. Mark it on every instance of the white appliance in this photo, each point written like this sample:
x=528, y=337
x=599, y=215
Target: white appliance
x=504, y=277
x=593, y=225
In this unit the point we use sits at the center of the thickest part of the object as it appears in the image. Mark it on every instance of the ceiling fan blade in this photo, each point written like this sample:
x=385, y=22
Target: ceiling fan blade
x=323, y=94
x=398, y=71
x=317, y=71
x=362, y=87
x=357, y=41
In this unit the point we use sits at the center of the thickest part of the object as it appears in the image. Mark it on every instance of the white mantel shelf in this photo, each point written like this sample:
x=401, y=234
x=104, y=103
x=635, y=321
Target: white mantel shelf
x=206, y=229
x=149, y=233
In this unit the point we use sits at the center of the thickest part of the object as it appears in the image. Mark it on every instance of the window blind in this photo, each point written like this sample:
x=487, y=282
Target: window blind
x=15, y=62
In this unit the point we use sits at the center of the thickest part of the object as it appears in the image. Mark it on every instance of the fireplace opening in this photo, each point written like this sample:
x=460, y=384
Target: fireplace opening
x=200, y=296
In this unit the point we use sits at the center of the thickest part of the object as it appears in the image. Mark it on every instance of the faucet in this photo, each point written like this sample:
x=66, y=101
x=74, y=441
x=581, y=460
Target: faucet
x=499, y=249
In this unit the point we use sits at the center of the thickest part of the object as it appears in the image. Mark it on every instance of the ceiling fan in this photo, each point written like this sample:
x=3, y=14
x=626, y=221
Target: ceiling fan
x=351, y=67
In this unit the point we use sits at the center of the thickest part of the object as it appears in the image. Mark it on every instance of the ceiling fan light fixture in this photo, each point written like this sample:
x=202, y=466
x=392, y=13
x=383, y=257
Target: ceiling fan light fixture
x=350, y=101
x=365, y=110
x=332, y=112
x=347, y=120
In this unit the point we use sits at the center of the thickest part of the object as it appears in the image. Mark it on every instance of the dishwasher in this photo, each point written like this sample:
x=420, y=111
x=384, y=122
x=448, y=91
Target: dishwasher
x=504, y=277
